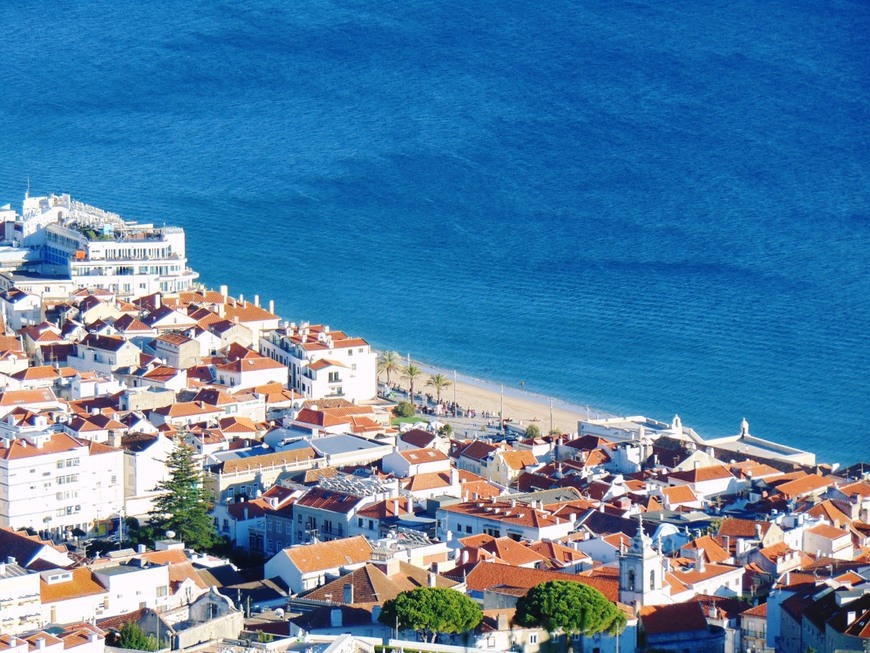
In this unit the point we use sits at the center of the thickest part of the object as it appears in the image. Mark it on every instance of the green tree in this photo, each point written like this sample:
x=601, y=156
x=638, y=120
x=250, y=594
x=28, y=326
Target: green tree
x=410, y=373
x=439, y=382
x=389, y=362
x=561, y=606
x=533, y=431
x=132, y=636
x=431, y=610
x=184, y=504
x=404, y=409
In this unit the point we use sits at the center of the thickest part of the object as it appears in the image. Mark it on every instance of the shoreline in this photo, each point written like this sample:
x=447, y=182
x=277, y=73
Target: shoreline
x=521, y=406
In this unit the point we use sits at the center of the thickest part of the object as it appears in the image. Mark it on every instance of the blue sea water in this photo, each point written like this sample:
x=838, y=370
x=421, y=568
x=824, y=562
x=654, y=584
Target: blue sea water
x=649, y=207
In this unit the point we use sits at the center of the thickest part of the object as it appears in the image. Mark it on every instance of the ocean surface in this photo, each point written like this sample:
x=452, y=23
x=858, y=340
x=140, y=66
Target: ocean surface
x=651, y=207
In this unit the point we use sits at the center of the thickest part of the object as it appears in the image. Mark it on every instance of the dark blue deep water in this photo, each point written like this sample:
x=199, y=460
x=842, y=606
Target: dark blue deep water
x=651, y=207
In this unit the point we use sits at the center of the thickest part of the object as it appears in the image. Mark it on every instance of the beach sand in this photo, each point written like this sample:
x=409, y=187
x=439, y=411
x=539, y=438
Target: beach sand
x=522, y=407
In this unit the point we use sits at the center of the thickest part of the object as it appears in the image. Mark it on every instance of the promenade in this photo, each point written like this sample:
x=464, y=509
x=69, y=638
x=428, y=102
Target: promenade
x=481, y=401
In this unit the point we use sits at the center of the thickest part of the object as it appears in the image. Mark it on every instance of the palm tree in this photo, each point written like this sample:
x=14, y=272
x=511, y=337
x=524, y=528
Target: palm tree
x=411, y=372
x=389, y=362
x=439, y=382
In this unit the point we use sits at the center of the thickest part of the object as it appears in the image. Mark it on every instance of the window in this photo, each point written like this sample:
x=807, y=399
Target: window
x=468, y=528
x=631, y=580
x=533, y=638
x=652, y=579
x=334, y=378
x=359, y=522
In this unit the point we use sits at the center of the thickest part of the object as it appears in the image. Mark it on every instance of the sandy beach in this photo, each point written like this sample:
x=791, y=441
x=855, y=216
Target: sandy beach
x=522, y=407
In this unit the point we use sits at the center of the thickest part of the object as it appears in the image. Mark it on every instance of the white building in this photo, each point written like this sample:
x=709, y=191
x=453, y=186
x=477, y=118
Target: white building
x=97, y=249
x=19, y=594
x=54, y=482
x=324, y=363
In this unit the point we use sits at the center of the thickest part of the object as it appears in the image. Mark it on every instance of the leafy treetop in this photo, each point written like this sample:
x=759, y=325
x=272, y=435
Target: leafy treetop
x=569, y=607
x=431, y=610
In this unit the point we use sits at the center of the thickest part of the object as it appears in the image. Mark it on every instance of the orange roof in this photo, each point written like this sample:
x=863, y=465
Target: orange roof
x=519, y=459
x=20, y=448
x=488, y=575
x=679, y=494
x=805, y=485
x=81, y=584
x=827, y=531
x=330, y=555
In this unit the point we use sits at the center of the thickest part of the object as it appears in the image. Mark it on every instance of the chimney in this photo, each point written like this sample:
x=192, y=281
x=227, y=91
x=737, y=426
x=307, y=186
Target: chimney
x=11, y=560
x=347, y=595
x=410, y=504
x=502, y=622
x=93, y=637
x=850, y=617
x=257, y=301
x=758, y=532
x=454, y=476
x=224, y=290
x=40, y=643
x=701, y=560
x=335, y=618
x=396, y=507
x=241, y=299
x=158, y=302
x=433, y=579
x=2, y=568
x=140, y=548
x=272, y=306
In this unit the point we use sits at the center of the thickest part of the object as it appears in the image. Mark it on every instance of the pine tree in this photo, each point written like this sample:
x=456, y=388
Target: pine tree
x=184, y=504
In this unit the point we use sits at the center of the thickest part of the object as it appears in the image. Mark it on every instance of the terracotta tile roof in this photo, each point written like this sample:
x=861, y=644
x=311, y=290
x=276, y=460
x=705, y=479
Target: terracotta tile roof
x=745, y=528
x=323, y=363
x=81, y=584
x=251, y=364
x=521, y=515
x=488, y=575
x=25, y=397
x=827, y=531
x=131, y=324
x=519, y=459
x=330, y=555
x=42, y=372
x=803, y=486
x=680, y=494
x=829, y=510
x=713, y=550
x=59, y=442
x=860, y=489
x=236, y=424
x=418, y=438
x=386, y=508
x=476, y=450
x=701, y=474
x=187, y=409
x=696, y=574
x=759, y=610
x=558, y=553
x=173, y=338
x=513, y=553
x=674, y=618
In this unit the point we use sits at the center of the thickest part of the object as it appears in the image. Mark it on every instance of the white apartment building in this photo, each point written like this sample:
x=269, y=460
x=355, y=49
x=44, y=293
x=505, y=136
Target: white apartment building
x=19, y=592
x=97, y=249
x=55, y=482
x=324, y=363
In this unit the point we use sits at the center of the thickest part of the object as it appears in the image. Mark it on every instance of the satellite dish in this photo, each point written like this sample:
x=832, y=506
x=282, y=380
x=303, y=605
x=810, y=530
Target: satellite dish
x=279, y=612
x=170, y=535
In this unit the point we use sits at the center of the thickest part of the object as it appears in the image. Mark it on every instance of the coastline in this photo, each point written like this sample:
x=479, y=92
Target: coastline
x=521, y=406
